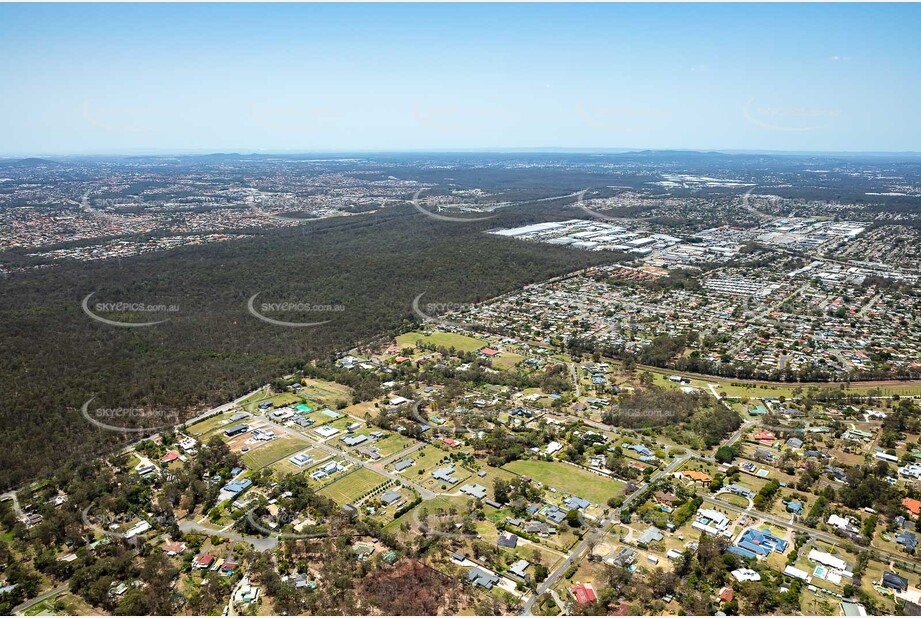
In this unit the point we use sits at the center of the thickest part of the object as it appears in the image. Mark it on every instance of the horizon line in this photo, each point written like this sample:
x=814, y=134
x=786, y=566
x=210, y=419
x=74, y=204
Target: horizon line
x=484, y=150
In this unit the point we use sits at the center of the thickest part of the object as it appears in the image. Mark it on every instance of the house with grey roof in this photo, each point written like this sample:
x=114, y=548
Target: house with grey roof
x=474, y=491
x=520, y=569
x=480, y=577
x=574, y=502
x=444, y=474
x=507, y=540
x=650, y=535
x=403, y=464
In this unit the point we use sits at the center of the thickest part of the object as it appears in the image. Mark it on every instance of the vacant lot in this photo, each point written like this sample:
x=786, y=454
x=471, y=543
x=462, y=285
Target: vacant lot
x=327, y=393
x=271, y=452
x=568, y=479
x=210, y=424
x=447, y=340
x=507, y=360
x=352, y=486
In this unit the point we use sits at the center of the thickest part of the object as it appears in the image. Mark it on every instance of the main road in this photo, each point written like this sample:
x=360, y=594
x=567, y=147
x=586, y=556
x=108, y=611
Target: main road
x=818, y=534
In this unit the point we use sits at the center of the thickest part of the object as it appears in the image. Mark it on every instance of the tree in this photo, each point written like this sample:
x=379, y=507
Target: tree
x=574, y=518
x=725, y=454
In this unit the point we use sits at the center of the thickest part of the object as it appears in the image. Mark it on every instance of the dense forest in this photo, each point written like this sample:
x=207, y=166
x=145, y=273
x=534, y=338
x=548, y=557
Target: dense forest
x=53, y=357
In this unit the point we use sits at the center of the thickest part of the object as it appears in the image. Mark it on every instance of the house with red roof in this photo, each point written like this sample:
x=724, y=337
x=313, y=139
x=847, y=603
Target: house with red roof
x=914, y=506
x=174, y=548
x=489, y=352
x=170, y=457
x=583, y=593
x=203, y=562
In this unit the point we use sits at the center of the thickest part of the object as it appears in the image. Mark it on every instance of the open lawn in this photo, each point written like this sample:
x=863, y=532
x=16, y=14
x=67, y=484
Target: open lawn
x=734, y=387
x=272, y=452
x=439, y=339
x=353, y=486
x=283, y=399
x=210, y=424
x=568, y=479
x=427, y=459
x=393, y=442
x=327, y=393
x=507, y=360
x=443, y=503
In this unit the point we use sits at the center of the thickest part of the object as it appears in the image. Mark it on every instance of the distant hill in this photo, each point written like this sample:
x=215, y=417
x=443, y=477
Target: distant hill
x=30, y=162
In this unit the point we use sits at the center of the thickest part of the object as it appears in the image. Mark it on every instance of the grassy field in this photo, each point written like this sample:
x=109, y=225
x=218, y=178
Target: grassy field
x=324, y=392
x=210, y=424
x=427, y=459
x=507, y=360
x=353, y=486
x=271, y=452
x=283, y=399
x=393, y=443
x=734, y=387
x=569, y=479
x=432, y=506
x=448, y=340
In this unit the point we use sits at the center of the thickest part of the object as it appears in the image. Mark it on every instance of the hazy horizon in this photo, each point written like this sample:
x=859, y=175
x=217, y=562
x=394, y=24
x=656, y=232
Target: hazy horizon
x=90, y=79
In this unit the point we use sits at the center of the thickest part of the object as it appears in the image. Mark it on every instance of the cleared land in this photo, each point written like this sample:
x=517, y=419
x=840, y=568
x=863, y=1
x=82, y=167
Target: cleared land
x=353, y=486
x=271, y=452
x=210, y=424
x=568, y=479
x=447, y=340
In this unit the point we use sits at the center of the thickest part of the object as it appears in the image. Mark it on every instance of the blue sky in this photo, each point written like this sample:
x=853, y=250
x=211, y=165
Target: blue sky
x=112, y=78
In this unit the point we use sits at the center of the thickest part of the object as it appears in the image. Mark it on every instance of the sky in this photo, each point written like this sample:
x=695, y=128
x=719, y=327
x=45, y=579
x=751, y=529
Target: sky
x=172, y=78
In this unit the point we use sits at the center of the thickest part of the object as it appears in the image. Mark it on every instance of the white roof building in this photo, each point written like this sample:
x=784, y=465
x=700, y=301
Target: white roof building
x=746, y=575
x=828, y=560
x=792, y=571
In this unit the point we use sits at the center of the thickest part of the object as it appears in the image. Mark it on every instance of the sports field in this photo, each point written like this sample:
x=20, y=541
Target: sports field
x=568, y=479
x=352, y=486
